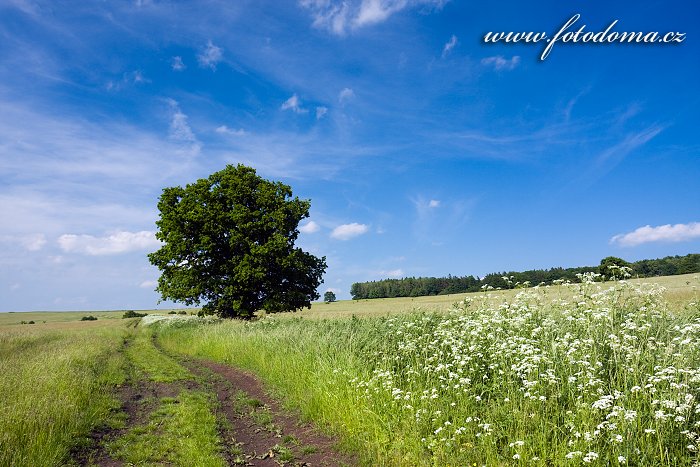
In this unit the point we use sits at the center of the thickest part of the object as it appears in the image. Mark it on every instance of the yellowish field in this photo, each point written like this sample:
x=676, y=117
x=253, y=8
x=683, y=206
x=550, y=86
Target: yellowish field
x=56, y=317
x=679, y=290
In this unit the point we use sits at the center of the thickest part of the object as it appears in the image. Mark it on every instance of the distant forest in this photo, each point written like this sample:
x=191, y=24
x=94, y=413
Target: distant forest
x=421, y=286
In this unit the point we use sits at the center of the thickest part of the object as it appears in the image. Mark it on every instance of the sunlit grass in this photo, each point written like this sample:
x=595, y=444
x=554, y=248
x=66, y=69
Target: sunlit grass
x=601, y=374
x=181, y=431
x=152, y=364
x=55, y=388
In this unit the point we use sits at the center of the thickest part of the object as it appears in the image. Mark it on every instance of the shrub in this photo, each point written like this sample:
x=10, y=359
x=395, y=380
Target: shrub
x=88, y=318
x=133, y=314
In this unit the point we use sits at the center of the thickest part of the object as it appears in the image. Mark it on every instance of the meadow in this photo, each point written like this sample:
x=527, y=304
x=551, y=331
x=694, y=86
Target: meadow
x=575, y=374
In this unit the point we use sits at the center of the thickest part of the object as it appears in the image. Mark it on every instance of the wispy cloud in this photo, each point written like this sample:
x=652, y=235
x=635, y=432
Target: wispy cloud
x=293, y=104
x=148, y=284
x=177, y=64
x=499, y=63
x=348, y=231
x=224, y=130
x=662, y=233
x=116, y=243
x=449, y=46
x=619, y=151
x=340, y=16
x=309, y=228
x=394, y=273
x=180, y=130
x=130, y=78
x=437, y=218
x=345, y=95
x=321, y=111
x=210, y=56
x=30, y=242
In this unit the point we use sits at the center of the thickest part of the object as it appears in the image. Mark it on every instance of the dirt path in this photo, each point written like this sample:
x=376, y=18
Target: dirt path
x=253, y=428
x=267, y=434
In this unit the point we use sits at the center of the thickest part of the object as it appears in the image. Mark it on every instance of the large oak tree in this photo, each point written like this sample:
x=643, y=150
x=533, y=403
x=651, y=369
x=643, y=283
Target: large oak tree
x=228, y=240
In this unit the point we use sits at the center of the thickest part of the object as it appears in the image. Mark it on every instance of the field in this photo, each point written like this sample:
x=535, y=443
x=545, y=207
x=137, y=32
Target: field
x=599, y=374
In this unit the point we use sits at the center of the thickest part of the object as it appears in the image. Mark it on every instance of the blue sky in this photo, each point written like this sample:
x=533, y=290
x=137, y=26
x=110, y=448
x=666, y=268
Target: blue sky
x=424, y=150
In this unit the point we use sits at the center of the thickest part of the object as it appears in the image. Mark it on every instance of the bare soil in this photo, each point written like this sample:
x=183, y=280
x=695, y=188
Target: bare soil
x=254, y=428
x=241, y=397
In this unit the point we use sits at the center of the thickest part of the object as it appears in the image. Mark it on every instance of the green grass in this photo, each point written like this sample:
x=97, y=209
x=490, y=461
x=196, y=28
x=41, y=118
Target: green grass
x=601, y=374
x=353, y=376
x=152, y=363
x=55, y=389
x=181, y=431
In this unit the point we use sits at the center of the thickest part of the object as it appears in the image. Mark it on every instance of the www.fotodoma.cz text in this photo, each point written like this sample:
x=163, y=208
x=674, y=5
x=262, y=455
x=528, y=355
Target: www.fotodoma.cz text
x=568, y=34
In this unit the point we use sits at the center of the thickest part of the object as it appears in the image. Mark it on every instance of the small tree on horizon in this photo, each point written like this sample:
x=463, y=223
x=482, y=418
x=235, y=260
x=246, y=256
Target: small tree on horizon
x=329, y=296
x=228, y=240
x=612, y=267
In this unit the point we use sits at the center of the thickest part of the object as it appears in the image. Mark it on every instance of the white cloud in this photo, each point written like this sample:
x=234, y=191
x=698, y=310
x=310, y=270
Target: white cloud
x=129, y=78
x=392, y=273
x=320, y=112
x=138, y=77
x=116, y=243
x=449, y=46
x=180, y=128
x=348, y=231
x=345, y=95
x=633, y=141
x=177, y=64
x=223, y=129
x=148, y=284
x=210, y=56
x=309, y=227
x=424, y=207
x=293, y=104
x=499, y=63
x=339, y=16
x=661, y=233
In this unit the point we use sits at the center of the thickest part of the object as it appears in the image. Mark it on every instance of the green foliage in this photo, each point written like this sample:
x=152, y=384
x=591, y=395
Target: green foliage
x=423, y=286
x=88, y=318
x=133, y=314
x=228, y=240
x=611, y=267
x=329, y=296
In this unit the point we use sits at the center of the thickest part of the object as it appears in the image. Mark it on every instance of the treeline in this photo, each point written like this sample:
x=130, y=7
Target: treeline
x=421, y=286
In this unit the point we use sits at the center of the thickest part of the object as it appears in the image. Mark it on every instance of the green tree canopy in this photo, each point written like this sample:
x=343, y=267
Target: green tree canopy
x=612, y=267
x=329, y=296
x=228, y=240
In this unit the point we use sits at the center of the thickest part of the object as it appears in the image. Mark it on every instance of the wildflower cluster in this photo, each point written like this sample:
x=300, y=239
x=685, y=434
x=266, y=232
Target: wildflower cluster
x=176, y=321
x=600, y=376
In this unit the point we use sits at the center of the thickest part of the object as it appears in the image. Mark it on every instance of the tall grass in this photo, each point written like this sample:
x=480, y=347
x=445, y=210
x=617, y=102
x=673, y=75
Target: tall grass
x=55, y=388
x=596, y=375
